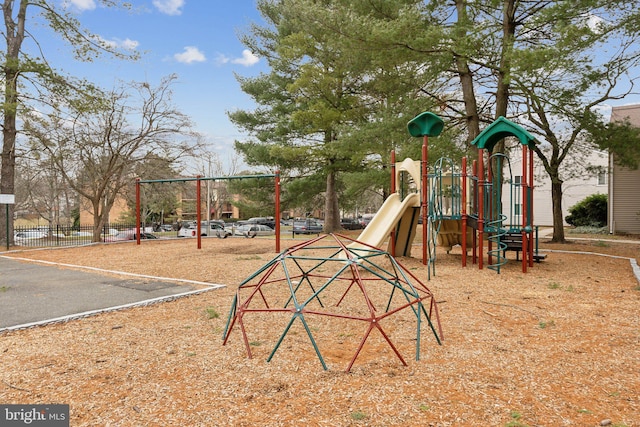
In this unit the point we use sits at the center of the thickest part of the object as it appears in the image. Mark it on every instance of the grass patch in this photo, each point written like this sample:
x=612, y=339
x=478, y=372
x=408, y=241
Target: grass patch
x=4, y=288
x=544, y=324
x=515, y=420
x=358, y=416
x=255, y=343
x=424, y=407
x=248, y=258
x=211, y=313
x=553, y=285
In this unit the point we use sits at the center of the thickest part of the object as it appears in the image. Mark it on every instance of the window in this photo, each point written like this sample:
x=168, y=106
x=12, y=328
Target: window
x=602, y=178
x=517, y=179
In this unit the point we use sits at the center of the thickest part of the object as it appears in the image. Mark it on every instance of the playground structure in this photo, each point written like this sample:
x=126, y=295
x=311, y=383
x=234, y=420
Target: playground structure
x=350, y=281
x=324, y=283
x=458, y=207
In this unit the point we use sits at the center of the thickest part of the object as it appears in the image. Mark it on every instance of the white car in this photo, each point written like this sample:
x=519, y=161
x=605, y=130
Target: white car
x=253, y=230
x=29, y=234
x=215, y=228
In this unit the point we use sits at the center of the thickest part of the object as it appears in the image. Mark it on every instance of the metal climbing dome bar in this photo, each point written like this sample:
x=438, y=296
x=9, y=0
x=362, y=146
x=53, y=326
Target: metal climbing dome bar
x=324, y=285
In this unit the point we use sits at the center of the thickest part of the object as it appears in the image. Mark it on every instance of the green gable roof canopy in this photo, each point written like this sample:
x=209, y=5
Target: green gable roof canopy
x=501, y=129
x=425, y=124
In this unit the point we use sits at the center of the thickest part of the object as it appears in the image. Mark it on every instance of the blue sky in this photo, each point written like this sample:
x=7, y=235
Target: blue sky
x=195, y=39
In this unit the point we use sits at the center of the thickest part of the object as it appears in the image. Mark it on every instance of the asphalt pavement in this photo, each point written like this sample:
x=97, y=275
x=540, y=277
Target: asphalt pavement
x=33, y=294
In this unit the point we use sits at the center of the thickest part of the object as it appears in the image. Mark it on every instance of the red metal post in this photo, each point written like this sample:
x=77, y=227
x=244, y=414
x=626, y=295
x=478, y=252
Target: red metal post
x=277, y=211
x=464, y=211
x=474, y=208
x=525, y=195
x=137, y=211
x=198, y=212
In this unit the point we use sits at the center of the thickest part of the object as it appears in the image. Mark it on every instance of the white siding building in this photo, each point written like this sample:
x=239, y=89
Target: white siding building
x=624, y=184
x=573, y=189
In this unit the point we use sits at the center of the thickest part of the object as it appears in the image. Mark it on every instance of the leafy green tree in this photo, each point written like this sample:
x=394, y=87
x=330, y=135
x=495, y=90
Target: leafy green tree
x=257, y=197
x=157, y=200
x=321, y=110
x=23, y=61
x=546, y=65
x=620, y=138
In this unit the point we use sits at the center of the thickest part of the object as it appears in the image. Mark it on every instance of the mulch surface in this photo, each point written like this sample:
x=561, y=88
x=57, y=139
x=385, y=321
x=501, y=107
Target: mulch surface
x=556, y=346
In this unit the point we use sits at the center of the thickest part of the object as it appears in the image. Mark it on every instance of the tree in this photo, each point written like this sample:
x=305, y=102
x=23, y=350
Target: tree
x=40, y=188
x=322, y=104
x=19, y=65
x=620, y=138
x=98, y=149
x=546, y=65
x=157, y=200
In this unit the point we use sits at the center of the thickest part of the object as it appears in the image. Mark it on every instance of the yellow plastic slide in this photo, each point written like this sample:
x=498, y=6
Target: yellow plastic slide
x=385, y=220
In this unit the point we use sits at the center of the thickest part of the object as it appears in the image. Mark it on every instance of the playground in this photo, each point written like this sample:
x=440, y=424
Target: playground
x=355, y=329
x=555, y=346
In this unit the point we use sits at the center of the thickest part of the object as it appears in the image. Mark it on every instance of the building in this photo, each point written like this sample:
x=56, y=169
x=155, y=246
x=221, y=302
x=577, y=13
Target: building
x=574, y=189
x=624, y=183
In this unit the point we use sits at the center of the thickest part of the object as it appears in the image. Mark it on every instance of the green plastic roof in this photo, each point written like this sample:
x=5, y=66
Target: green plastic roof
x=425, y=124
x=501, y=129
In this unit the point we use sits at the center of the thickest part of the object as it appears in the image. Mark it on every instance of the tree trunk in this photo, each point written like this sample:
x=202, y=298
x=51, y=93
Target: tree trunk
x=504, y=71
x=472, y=120
x=556, y=203
x=14, y=35
x=331, y=210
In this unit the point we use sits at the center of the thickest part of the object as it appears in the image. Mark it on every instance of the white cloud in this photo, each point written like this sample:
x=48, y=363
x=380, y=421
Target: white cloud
x=169, y=7
x=248, y=59
x=81, y=5
x=127, y=44
x=191, y=54
x=222, y=59
x=594, y=23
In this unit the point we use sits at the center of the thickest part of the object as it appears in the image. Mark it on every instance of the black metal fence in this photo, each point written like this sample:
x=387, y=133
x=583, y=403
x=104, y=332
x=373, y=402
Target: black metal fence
x=63, y=235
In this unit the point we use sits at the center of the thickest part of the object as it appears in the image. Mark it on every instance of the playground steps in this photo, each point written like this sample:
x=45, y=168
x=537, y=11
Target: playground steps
x=514, y=243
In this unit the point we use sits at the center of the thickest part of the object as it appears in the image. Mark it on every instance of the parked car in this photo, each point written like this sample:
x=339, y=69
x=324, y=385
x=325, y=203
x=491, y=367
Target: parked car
x=129, y=235
x=366, y=219
x=165, y=227
x=253, y=230
x=307, y=226
x=269, y=221
x=213, y=228
x=351, y=224
x=29, y=234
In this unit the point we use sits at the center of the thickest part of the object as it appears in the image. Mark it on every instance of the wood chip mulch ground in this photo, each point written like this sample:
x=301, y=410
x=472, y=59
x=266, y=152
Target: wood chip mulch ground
x=557, y=346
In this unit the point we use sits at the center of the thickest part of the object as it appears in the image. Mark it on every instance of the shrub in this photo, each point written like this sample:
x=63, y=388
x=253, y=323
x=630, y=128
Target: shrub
x=589, y=212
